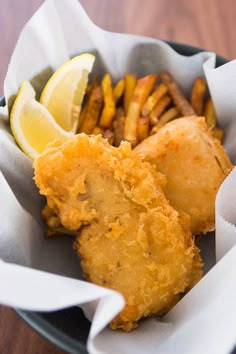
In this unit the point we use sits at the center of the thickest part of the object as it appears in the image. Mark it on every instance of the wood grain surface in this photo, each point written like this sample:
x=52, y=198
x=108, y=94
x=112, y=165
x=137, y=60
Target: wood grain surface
x=208, y=24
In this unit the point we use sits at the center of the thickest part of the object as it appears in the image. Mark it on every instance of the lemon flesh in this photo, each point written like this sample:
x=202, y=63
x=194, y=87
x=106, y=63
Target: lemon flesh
x=64, y=92
x=32, y=125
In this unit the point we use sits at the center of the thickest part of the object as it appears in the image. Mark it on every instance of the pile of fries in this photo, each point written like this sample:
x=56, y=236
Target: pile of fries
x=135, y=108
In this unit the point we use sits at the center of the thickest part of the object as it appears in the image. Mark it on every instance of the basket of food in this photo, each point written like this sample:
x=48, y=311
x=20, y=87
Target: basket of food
x=116, y=170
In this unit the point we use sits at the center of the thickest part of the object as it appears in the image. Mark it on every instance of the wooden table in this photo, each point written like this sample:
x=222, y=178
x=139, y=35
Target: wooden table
x=207, y=24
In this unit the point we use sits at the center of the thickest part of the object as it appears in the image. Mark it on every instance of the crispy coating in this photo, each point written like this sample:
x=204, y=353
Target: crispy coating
x=131, y=239
x=195, y=164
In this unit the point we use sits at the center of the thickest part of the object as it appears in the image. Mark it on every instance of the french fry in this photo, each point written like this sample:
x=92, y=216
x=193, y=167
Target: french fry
x=53, y=221
x=118, y=125
x=90, y=113
x=172, y=113
x=141, y=92
x=209, y=113
x=47, y=212
x=160, y=107
x=143, y=128
x=108, y=111
x=58, y=231
x=97, y=131
x=152, y=100
x=177, y=95
x=119, y=90
x=218, y=133
x=109, y=135
x=88, y=89
x=130, y=83
x=81, y=116
x=87, y=94
x=197, y=95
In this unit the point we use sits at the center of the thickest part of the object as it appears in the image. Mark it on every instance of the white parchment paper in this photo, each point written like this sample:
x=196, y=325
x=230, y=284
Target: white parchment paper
x=32, y=273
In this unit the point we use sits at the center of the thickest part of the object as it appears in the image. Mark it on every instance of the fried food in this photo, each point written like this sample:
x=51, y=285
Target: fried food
x=158, y=110
x=91, y=110
x=197, y=95
x=118, y=125
x=109, y=135
x=177, y=95
x=195, y=165
x=141, y=92
x=108, y=111
x=218, y=133
x=170, y=114
x=160, y=91
x=209, y=113
x=119, y=90
x=97, y=131
x=130, y=83
x=131, y=239
x=143, y=128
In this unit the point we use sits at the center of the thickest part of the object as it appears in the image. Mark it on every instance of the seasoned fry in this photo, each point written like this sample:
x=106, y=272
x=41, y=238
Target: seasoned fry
x=142, y=90
x=108, y=111
x=130, y=83
x=172, y=113
x=197, y=95
x=118, y=126
x=109, y=135
x=218, y=133
x=209, y=113
x=97, y=130
x=159, y=109
x=47, y=212
x=81, y=118
x=58, y=231
x=89, y=89
x=82, y=113
x=119, y=90
x=152, y=100
x=90, y=113
x=143, y=128
x=177, y=95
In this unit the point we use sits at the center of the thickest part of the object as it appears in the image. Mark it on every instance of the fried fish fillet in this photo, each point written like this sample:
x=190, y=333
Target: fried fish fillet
x=131, y=239
x=195, y=164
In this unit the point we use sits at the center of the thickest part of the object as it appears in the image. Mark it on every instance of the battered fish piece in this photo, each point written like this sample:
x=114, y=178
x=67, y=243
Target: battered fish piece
x=131, y=239
x=195, y=164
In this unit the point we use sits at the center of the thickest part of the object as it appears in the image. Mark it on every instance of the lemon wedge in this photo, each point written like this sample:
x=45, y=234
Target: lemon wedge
x=64, y=92
x=32, y=125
